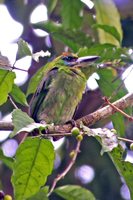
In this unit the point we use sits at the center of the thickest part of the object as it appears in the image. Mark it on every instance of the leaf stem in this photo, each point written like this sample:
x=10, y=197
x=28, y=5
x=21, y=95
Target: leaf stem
x=125, y=139
x=12, y=102
x=13, y=67
x=62, y=175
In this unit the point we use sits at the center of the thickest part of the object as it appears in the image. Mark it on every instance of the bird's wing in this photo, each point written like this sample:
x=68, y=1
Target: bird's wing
x=41, y=93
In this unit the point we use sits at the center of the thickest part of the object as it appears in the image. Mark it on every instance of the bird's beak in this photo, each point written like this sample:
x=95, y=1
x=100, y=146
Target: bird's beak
x=84, y=61
x=87, y=59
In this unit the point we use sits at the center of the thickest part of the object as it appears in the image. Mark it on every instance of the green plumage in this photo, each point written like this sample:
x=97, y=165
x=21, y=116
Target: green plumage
x=59, y=92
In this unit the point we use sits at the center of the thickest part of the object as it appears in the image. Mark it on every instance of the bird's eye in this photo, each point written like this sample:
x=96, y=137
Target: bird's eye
x=69, y=58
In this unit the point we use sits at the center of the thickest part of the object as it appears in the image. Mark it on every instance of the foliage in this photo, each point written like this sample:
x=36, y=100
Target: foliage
x=6, y=83
x=81, y=34
x=33, y=163
x=70, y=192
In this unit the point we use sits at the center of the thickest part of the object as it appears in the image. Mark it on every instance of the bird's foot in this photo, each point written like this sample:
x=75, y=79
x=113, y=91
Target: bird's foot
x=44, y=131
x=72, y=122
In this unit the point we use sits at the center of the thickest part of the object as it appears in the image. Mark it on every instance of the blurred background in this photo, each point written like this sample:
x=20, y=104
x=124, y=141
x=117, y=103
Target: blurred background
x=91, y=170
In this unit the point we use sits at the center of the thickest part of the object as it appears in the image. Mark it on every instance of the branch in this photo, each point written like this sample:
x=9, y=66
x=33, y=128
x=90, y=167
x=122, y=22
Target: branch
x=87, y=120
x=118, y=109
x=6, y=126
x=94, y=117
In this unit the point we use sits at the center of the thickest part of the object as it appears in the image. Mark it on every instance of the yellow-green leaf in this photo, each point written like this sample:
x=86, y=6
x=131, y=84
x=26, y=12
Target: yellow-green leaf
x=107, y=14
x=109, y=29
x=6, y=83
x=18, y=95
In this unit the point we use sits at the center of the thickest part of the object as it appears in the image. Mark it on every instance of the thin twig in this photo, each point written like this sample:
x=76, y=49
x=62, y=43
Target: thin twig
x=125, y=139
x=117, y=109
x=13, y=67
x=24, y=70
x=62, y=175
x=12, y=102
x=55, y=134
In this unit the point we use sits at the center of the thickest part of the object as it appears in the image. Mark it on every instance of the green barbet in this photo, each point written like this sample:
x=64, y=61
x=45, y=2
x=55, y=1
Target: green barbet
x=60, y=92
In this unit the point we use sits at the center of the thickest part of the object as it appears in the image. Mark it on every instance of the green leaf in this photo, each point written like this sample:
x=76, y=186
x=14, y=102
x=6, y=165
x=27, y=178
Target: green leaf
x=124, y=168
x=109, y=29
x=109, y=87
x=18, y=95
x=6, y=160
x=107, y=14
x=6, y=83
x=107, y=52
x=71, y=192
x=74, y=39
x=51, y=5
x=118, y=123
x=20, y=120
x=41, y=195
x=71, y=14
x=33, y=163
x=23, y=49
x=107, y=138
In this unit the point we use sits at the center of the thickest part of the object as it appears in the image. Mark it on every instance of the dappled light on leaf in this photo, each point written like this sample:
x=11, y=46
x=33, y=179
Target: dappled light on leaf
x=107, y=138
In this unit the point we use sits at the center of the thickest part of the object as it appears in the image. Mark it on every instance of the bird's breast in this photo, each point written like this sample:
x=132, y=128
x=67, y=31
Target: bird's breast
x=64, y=94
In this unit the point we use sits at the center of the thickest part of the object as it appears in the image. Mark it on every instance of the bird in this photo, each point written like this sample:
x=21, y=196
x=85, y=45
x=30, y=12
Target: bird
x=61, y=90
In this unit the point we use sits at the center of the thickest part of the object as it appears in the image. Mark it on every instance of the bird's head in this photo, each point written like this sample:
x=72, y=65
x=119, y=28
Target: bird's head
x=72, y=60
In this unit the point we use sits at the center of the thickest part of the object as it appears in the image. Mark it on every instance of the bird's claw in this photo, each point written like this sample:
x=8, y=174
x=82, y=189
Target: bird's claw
x=72, y=122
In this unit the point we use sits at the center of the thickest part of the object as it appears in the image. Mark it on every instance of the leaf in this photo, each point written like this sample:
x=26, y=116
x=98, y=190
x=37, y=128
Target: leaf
x=51, y=5
x=110, y=88
x=41, y=195
x=107, y=14
x=23, y=49
x=71, y=14
x=124, y=168
x=20, y=120
x=33, y=163
x=107, y=52
x=6, y=160
x=74, y=39
x=4, y=62
x=18, y=95
x=71, y=192
x=34, y=126
x=109, y=29
x=119, y=123
x=107, y=138
x=6, y=83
